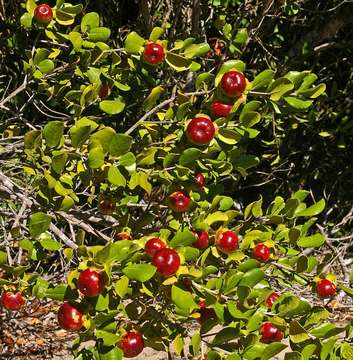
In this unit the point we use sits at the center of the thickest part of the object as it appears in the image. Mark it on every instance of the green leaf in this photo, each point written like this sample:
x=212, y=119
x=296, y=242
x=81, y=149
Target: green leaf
x=254, y=209
x=134, y=43
x=280, y=87
x=112, y=107
x=297, y=333
x=109, y=339
x=96, y=157
x=48, y=243
x=326, y=330
x=114, y=252
x=3, y=257
x=120, y=144
x=241, y=37
x=312, y=241
x=225, y=335
x=58, y=162
x=79, y=135
x=109, y=352
x=313, y=210
x=46, y=66
x=189, y=156
x=140, y=179
x=203, y=79
x=262, y=80
x=298, y=103
x=156, y=33
x=178, y=344
x=89, y=22
x=52, y=133
x=218, y=216
x=39, y=223
x=228, y=136
x=195, y=343
x=183, y=299
x=252, y=277
x=313, y=92
x=99, y=34
x=250, y=119
x=228, y=66
x=26, y=20
x=182, y=238
x=178, y=62
x=60, y=293
x=140, y=272
x=272, y=349
x=115, y=177
x=121, y=286
x=152, y=98
x=195, y=50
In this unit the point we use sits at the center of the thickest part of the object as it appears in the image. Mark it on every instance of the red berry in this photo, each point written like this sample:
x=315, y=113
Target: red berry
x=220, y=109
x=227, y=242
x=123, y=236
x=131, y=344
x=43, y=14
x=179, y=201
x=271, y=299
x=233, y=83
x=12, y=301
x=261, y=252
x=270, y=333
x=104, y=91
x=325, y=288
x=202, y=240
x=200, y=130
x=106, y=206
x=70, y=317
x=200, y=180
x=153, y=53
x=91, y=282
x=153, y=245
x=167, y=261
x=202, y=304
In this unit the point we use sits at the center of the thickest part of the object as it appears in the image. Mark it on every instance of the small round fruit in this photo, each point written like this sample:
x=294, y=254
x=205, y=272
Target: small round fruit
x=261, y=252
x=104, y=91
x=12, y=301
x=200, y=180
x=200, y=130
x=179, y=201
x=227, y=242
x=202, y=240
x=91, y=282
x=202, y=304
x=123, y=236
x=43, y=13
x=167, y=261
x=233, y=83
x=70, y=317
x=154, y=53
x=271, y=299
x=131, y=344
x=153, y=245
x=220, y=109
x=325, y=288
x=270, y=333
x=106, y=206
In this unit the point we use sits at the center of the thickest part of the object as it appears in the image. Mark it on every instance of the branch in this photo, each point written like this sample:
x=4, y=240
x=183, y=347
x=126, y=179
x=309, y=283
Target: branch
x=15, y=92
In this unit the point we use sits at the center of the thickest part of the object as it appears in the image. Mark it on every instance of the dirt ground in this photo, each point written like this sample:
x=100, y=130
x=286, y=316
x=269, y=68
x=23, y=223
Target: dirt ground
x=36, y=335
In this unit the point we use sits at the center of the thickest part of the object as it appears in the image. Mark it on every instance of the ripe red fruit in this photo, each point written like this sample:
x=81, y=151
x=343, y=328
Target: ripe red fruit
x=325, y=288
x=233, y=83
x=153, y=245
x=202, y=304
x=91, y=282
x=12, y=301
x=154, y=53
x=167, y=261
x=179, y=201
x=227, y=242
x=200, y=180
x=43, y=14
x=106, y=206
x=271, y=299
x=270, y=333
x=70, y=317
x=220, y=109
x=131, y=344
x=200, y=130
x=261, y=252
x=202, y=240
